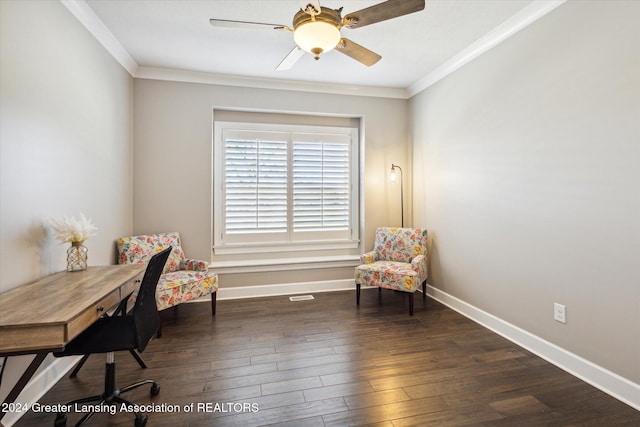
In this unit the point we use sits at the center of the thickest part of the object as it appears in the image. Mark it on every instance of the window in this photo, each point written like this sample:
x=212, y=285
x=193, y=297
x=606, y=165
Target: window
x=284, y=187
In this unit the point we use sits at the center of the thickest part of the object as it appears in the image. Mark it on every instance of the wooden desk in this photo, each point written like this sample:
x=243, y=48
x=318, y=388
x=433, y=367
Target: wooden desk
x=45, y=315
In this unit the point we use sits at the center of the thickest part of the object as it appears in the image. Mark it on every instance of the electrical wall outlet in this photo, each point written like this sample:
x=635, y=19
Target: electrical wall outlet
x=560, y=312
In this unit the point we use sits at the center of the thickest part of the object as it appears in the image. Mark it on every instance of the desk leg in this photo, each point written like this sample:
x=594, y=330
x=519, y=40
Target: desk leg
x=24, y=379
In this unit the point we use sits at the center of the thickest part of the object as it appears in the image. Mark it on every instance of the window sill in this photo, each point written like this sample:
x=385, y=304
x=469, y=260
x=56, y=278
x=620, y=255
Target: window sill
x=283, y=247
x=284, y=264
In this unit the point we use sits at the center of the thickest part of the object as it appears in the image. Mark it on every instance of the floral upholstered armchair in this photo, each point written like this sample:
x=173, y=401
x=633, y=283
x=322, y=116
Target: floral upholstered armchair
x=182, y=279
x=398, y=261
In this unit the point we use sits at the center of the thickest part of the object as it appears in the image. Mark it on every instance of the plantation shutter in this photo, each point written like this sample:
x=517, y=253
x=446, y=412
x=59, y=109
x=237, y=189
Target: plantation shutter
x=321, y=183
x=255, y=183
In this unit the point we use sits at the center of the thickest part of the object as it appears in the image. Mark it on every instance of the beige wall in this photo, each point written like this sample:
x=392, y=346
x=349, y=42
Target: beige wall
x=65, y=142
x=173, y=157
x=527, y=168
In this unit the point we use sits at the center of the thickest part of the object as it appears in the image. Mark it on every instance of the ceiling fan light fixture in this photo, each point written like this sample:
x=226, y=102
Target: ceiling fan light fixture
x=317, y=37
x=316, y=29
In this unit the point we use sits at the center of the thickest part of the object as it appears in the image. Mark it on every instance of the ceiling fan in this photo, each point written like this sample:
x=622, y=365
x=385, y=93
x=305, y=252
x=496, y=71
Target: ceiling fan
x=316, y=29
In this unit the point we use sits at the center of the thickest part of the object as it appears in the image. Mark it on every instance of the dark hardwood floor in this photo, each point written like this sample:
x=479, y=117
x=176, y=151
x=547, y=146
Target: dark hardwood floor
x=324, y=362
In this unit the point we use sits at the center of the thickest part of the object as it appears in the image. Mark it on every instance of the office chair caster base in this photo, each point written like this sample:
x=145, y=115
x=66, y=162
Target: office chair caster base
x=155, y=389
x=61, y=420
x=141, y=420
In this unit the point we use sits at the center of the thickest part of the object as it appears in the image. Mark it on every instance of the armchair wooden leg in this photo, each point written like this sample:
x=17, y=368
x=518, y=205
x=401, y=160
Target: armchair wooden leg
x=159, y=333
x=357, y=293
x=424, y=290
x=213, y=303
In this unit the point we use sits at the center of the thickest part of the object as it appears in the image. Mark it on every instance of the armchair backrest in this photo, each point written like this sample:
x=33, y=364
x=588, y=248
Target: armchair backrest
x=400, y=244
x=140, y=249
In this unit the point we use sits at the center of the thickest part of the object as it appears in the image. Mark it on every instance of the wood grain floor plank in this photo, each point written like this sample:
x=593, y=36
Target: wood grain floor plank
x=385, y=412
x=476, y=415
x=283, y=357
x=376, y=398
x=340, y=390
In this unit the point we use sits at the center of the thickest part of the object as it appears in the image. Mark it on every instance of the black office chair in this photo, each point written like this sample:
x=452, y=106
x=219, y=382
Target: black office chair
x=121, y=310
x=116, y=333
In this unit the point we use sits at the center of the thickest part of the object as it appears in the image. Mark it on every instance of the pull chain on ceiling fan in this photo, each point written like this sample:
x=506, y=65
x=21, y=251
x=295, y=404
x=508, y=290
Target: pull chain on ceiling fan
x=316, y=29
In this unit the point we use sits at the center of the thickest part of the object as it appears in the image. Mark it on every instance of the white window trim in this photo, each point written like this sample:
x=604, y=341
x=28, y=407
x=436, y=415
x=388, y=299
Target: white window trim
x=224, y=248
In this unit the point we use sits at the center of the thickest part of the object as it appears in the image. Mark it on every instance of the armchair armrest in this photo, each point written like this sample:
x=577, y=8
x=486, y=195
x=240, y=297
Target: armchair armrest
x=419, y=265
x=194, y=264
x=369, y=257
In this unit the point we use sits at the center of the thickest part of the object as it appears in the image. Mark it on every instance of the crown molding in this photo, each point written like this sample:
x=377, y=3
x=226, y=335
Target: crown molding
x=186, y=76
x=531, y=13
x=517, y=22
x=83, y=13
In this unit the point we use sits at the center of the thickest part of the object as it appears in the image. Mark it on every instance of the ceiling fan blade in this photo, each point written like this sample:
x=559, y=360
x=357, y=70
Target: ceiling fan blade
x=226, y=23
x=381, y=12
x=357, y=52
x=290, y=60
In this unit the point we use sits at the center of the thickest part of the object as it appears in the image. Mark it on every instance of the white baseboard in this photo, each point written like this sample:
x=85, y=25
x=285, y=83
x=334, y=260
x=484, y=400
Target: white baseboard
x=40, y=384
x=285, y=289
x=609, y=382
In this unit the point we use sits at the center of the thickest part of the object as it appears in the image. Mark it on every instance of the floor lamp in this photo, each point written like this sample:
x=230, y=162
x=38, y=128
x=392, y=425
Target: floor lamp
x=393, y=179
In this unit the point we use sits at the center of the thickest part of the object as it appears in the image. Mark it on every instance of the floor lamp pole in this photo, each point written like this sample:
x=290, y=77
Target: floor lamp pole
x=393, y=167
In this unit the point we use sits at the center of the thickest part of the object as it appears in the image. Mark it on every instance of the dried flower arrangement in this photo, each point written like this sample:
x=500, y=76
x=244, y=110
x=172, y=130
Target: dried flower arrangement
x=73, y=230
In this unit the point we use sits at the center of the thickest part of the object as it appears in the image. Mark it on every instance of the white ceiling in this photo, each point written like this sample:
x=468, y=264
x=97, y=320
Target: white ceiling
x=176, y=35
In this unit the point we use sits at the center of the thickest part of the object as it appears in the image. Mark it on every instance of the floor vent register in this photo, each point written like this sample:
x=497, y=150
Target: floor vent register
x=301, y=298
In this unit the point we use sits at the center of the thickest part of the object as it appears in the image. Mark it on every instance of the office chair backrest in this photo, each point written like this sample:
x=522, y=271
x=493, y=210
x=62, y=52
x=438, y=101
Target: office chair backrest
x=145, y=310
